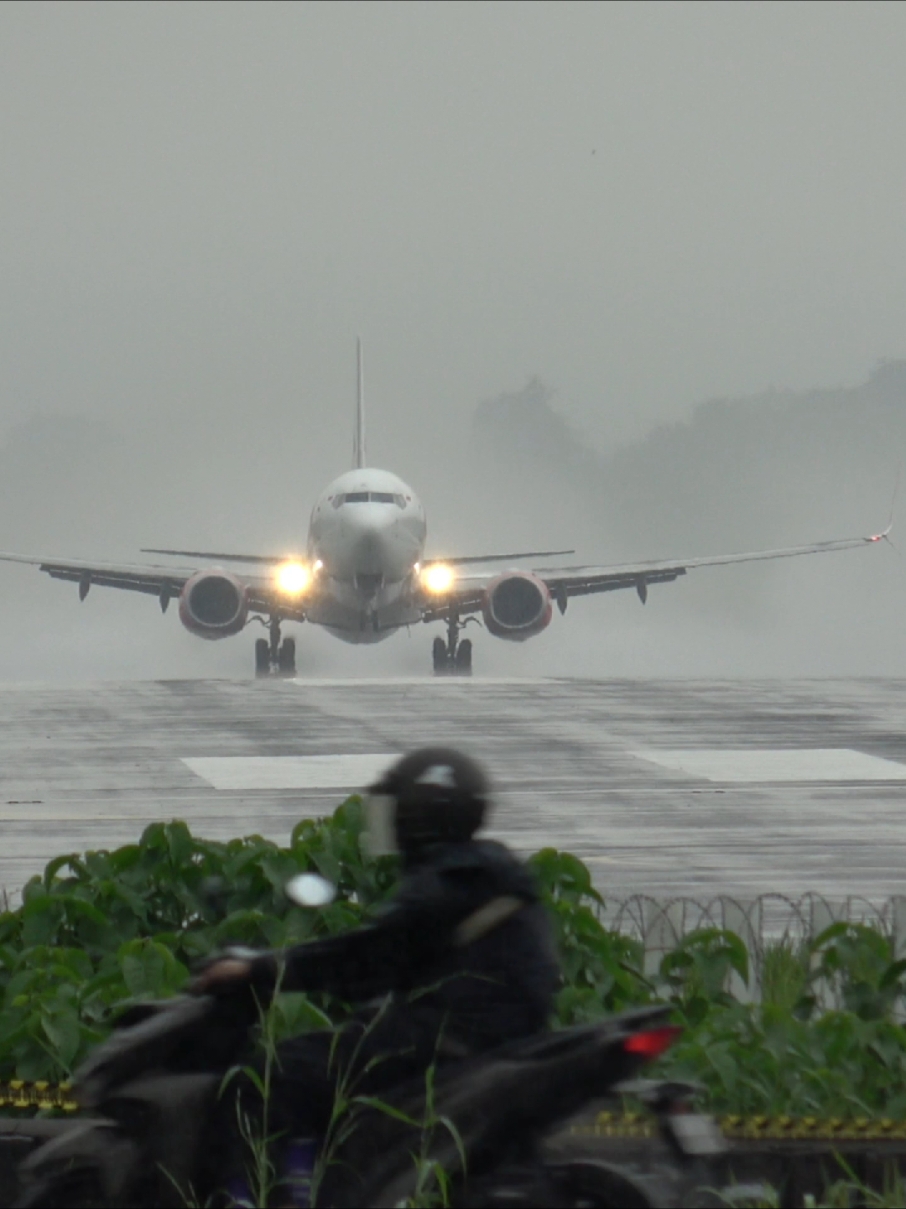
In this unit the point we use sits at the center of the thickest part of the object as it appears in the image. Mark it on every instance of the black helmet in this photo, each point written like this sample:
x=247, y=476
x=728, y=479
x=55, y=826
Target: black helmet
x=434, y=795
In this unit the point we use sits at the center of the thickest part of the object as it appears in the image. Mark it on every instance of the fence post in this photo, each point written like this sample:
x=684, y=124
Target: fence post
x=898, y=926
x=663, y=930
x=821, y=915
x=744, y=917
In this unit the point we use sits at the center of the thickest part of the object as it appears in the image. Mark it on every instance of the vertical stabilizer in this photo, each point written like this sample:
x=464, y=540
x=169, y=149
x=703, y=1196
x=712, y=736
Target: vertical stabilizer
x=358, y=447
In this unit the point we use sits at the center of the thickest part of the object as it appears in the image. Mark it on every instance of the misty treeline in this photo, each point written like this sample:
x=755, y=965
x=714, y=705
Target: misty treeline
x=780, y=467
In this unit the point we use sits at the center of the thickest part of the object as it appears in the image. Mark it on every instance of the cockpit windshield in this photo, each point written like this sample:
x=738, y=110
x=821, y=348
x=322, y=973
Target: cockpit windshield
x=369, y=497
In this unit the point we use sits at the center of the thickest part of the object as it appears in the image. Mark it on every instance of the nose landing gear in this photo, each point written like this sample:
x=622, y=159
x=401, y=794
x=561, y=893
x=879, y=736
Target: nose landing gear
x=273, y=657
x=452, y=657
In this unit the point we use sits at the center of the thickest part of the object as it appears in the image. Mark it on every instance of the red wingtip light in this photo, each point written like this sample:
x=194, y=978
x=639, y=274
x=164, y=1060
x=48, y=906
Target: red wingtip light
x=652, y=1043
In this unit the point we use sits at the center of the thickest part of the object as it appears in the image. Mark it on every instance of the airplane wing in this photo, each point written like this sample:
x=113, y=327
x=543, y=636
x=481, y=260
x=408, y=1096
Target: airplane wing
x=274, y=559
x=131, y=576
x=271, y=560
x=466, y=592
x=462, y=560
x=165, y=583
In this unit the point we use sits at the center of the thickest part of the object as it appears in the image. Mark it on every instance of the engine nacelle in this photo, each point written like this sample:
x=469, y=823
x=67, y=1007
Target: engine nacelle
x=213, y=604
x=516, y=606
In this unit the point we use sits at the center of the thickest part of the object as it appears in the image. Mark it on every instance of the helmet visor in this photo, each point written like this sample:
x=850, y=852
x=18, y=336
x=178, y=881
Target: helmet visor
x=380, y=833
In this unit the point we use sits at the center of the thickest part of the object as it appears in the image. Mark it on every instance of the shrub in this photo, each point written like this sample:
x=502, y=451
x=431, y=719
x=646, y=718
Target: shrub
x=101, y=930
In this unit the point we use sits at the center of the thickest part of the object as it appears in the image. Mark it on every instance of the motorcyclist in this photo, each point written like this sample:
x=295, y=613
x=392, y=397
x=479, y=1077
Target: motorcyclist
x=462, y=957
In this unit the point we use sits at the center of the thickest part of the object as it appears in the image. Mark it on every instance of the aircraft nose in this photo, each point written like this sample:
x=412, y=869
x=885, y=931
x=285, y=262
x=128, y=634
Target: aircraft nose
x=371, y=533
x=369, y=553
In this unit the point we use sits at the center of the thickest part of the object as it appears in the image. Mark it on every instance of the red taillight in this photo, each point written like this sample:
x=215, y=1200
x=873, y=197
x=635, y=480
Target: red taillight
x=652, y=1043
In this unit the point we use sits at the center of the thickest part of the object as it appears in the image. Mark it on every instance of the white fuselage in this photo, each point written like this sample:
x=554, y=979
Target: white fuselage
x=366, y=538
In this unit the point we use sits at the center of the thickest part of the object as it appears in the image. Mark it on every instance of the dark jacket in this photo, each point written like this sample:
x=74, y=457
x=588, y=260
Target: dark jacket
x=465, y=945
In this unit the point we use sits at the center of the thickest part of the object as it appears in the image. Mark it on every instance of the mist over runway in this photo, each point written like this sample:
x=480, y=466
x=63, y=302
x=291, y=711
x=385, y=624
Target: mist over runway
x=665, y=787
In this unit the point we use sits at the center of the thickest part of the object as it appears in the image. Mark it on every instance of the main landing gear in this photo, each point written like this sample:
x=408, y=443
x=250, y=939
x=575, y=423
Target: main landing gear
x=273, y=657
x=453, y=656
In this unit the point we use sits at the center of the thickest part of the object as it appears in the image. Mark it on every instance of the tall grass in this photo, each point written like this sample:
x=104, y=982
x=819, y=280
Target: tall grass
x=784, y=969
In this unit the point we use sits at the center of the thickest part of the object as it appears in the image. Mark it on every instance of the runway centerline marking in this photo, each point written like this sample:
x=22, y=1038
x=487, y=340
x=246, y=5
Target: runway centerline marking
x=754, y=764
x=342, y=771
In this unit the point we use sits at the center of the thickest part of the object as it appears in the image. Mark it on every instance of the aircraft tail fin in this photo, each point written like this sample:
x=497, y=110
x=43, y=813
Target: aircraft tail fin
x=358, y=446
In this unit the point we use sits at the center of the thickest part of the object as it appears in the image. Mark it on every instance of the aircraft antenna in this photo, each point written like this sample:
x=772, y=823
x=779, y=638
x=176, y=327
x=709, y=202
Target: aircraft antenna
x=358, y=448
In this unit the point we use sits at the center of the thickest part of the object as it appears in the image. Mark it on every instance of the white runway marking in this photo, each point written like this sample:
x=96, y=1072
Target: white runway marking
x=289, y=772
x=776, y=764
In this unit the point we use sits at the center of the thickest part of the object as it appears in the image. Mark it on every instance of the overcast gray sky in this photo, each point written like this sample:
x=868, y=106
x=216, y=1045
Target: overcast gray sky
x=646, y=205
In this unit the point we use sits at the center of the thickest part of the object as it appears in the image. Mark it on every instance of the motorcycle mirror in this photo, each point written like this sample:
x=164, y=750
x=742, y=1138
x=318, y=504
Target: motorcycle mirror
x=310, y=890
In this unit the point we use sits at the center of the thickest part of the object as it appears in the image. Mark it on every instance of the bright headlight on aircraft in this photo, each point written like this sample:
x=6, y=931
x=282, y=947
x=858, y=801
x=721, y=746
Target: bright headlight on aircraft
x=293, y=578
x=438, y=578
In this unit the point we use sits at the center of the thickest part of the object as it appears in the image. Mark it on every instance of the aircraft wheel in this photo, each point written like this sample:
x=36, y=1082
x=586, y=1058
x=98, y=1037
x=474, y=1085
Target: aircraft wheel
x=440, y=657
x=286, y=658
x=262, y=657
x=464, y=658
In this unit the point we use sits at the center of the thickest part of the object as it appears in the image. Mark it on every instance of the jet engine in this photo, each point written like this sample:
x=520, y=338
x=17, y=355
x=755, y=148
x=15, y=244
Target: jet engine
x=213, y=604
x=516, y=606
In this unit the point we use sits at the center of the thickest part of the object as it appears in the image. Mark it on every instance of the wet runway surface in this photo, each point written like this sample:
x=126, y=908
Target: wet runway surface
x=673, y=787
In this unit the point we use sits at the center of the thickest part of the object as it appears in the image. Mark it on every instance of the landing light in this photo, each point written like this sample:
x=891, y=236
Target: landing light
x=438, y=578
x=293, y=578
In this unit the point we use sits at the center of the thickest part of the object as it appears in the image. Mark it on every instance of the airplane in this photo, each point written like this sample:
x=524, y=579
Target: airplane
x=365, y=576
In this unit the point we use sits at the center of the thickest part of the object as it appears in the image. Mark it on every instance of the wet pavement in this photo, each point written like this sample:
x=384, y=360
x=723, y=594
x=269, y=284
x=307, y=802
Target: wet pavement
x=671, y=787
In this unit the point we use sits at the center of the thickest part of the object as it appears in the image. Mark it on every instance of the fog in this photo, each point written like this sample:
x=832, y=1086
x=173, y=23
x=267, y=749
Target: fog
x=629, y=278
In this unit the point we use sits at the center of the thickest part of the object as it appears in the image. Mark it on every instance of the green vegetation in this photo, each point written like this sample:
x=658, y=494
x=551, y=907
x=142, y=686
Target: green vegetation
x=100, y=930
x=841, y=1194
x=104, y=929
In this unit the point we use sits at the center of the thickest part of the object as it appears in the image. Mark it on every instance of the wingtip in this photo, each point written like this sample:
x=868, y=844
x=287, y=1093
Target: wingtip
x=882, y=536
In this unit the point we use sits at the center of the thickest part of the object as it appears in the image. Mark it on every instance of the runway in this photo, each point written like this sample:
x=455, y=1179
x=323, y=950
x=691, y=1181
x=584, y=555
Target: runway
x=665, y=788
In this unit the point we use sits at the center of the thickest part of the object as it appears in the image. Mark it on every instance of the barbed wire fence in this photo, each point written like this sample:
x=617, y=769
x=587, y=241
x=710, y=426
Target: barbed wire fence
x=764, y=923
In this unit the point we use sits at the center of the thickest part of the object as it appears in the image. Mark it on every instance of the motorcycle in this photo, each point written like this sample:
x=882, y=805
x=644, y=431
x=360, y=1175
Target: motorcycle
x=475, y=1135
